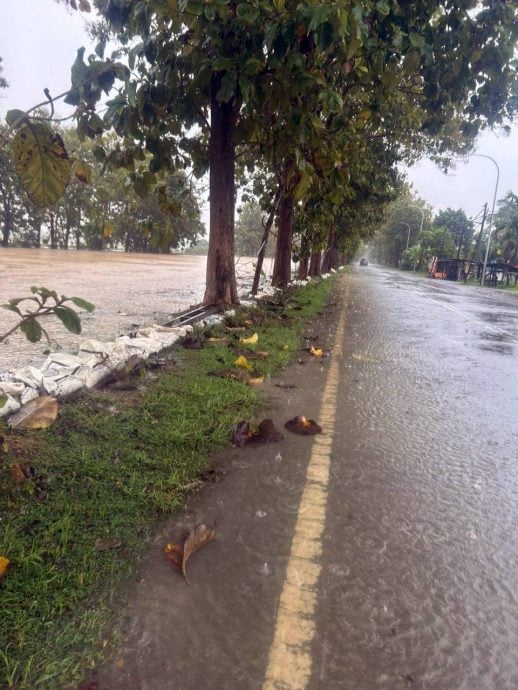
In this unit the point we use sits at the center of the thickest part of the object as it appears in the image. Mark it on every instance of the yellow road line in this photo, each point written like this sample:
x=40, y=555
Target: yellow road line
x=289, y=665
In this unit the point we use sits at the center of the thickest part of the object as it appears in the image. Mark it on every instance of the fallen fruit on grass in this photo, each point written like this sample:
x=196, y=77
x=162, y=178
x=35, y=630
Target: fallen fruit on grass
x=243, y=363
x=5, y=564
x=252, y=340
x=303, y=425
x=179, y=555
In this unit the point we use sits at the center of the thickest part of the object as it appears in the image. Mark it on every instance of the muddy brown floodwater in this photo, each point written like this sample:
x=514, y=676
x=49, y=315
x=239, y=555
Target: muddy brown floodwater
x=127, y=290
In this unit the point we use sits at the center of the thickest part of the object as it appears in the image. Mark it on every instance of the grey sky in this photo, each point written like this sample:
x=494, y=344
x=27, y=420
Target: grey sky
x=39, y=40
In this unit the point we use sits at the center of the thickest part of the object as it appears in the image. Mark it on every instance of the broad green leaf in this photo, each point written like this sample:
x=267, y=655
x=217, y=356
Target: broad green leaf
x=69, y=319
x=15, y=117
x=32, y=330
x=3, y=400
x=41, y=162
x=82, y=303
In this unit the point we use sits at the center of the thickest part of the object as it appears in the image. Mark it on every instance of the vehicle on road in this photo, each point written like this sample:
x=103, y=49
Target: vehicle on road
x=364, y=262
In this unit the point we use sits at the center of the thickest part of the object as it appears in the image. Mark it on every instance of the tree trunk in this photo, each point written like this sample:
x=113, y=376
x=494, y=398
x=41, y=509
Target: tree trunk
x=52, y=229
x=8, y=221
x=303, y=258
x=282, y=264
x=220, y=287
x=314, y=264
x=329, y=254
x=264, y=242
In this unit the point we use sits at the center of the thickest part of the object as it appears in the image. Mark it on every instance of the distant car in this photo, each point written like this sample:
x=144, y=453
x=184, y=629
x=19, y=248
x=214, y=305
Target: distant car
x=364, y=262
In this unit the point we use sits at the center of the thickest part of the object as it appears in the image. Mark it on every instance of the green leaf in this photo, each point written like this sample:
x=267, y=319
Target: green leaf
x=32, y=330
x=82, y=304
x=15, y=117
x=252, y=67
x=41, y=162
x=228, y=87
x=3, y=400
x=69, y=318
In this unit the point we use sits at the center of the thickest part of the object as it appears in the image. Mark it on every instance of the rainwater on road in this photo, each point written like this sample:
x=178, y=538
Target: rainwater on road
x=411, y=582
x=422, y=548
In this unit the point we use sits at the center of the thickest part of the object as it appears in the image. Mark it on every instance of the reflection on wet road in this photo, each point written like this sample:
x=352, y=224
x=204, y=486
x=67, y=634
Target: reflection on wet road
x=419, y=589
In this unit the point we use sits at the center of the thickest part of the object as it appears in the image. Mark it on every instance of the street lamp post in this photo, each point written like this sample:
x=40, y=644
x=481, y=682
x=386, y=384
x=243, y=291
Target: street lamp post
x=400, y=222
x=422, y=216
x=483, y=155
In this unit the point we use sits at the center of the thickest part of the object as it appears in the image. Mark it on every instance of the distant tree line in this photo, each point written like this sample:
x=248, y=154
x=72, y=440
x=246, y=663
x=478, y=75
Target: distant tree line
x=101, y=212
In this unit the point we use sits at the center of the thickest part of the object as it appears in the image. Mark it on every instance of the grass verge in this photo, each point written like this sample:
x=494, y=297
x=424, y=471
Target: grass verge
x=113, y=465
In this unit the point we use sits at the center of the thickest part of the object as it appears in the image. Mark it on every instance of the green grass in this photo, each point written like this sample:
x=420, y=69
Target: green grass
x=112, y=467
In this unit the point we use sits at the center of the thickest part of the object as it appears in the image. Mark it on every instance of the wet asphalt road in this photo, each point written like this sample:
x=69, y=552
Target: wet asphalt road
x=416, y=567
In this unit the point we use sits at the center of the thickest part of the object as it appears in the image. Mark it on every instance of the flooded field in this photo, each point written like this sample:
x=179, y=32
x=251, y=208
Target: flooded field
x=127, y=290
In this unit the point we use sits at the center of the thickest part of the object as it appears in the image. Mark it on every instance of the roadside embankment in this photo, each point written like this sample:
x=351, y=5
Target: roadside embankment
x=80, y=499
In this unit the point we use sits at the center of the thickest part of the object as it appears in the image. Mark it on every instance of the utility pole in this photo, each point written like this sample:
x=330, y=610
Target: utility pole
x=473, y=255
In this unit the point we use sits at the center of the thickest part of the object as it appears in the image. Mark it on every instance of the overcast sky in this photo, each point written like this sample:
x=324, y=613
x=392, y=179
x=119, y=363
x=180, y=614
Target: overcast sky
x=38, y=44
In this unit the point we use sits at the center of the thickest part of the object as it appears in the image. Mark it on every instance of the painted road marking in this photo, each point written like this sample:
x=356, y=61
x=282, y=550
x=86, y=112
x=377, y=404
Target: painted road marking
x=485, y=325
x=289, y=664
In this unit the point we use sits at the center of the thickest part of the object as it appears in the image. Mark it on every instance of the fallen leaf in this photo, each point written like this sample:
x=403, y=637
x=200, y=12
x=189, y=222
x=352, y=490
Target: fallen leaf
x=316, y=351
x=242, y=434
x=267, y=431
x=179, y=555
x=285, y=347
x=252, y=340
x=36, y=414
x=175, y=554
x=302, y=425
x=199, y=536
x=242, y=362
x=18, y=473
x=256, y=381
x=5, y=564
x=262, y=354
x=217, y=340
x=105, y=544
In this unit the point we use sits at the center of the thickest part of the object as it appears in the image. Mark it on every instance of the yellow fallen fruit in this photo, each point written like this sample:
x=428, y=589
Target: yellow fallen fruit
x=242, y=362
x=252, y=340
x=4, y=565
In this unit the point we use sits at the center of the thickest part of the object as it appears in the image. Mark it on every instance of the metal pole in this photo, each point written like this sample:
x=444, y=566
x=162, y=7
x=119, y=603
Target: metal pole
x=483, y=155
x=400, y=222
x=422, y=216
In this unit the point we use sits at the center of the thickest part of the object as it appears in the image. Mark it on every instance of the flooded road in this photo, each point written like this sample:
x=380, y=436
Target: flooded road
x=379, y=555
x=423, y=550
x=126, y=289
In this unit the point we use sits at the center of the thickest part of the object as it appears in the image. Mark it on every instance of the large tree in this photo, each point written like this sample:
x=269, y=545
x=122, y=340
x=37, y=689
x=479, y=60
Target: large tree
x=459, y=226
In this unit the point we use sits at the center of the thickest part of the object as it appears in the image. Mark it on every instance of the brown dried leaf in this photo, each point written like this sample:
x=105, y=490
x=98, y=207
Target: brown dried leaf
x=174, y=553
x=242, y=434
x=199, y=536
x=302, y=425
x=18, y=473
x=267, y=432
x=36, y=414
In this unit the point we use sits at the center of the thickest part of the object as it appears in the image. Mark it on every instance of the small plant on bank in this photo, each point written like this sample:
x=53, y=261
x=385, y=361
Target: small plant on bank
x=47, y=302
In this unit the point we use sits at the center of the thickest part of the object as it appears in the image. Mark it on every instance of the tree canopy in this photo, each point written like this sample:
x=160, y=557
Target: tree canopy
x=324, y=98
